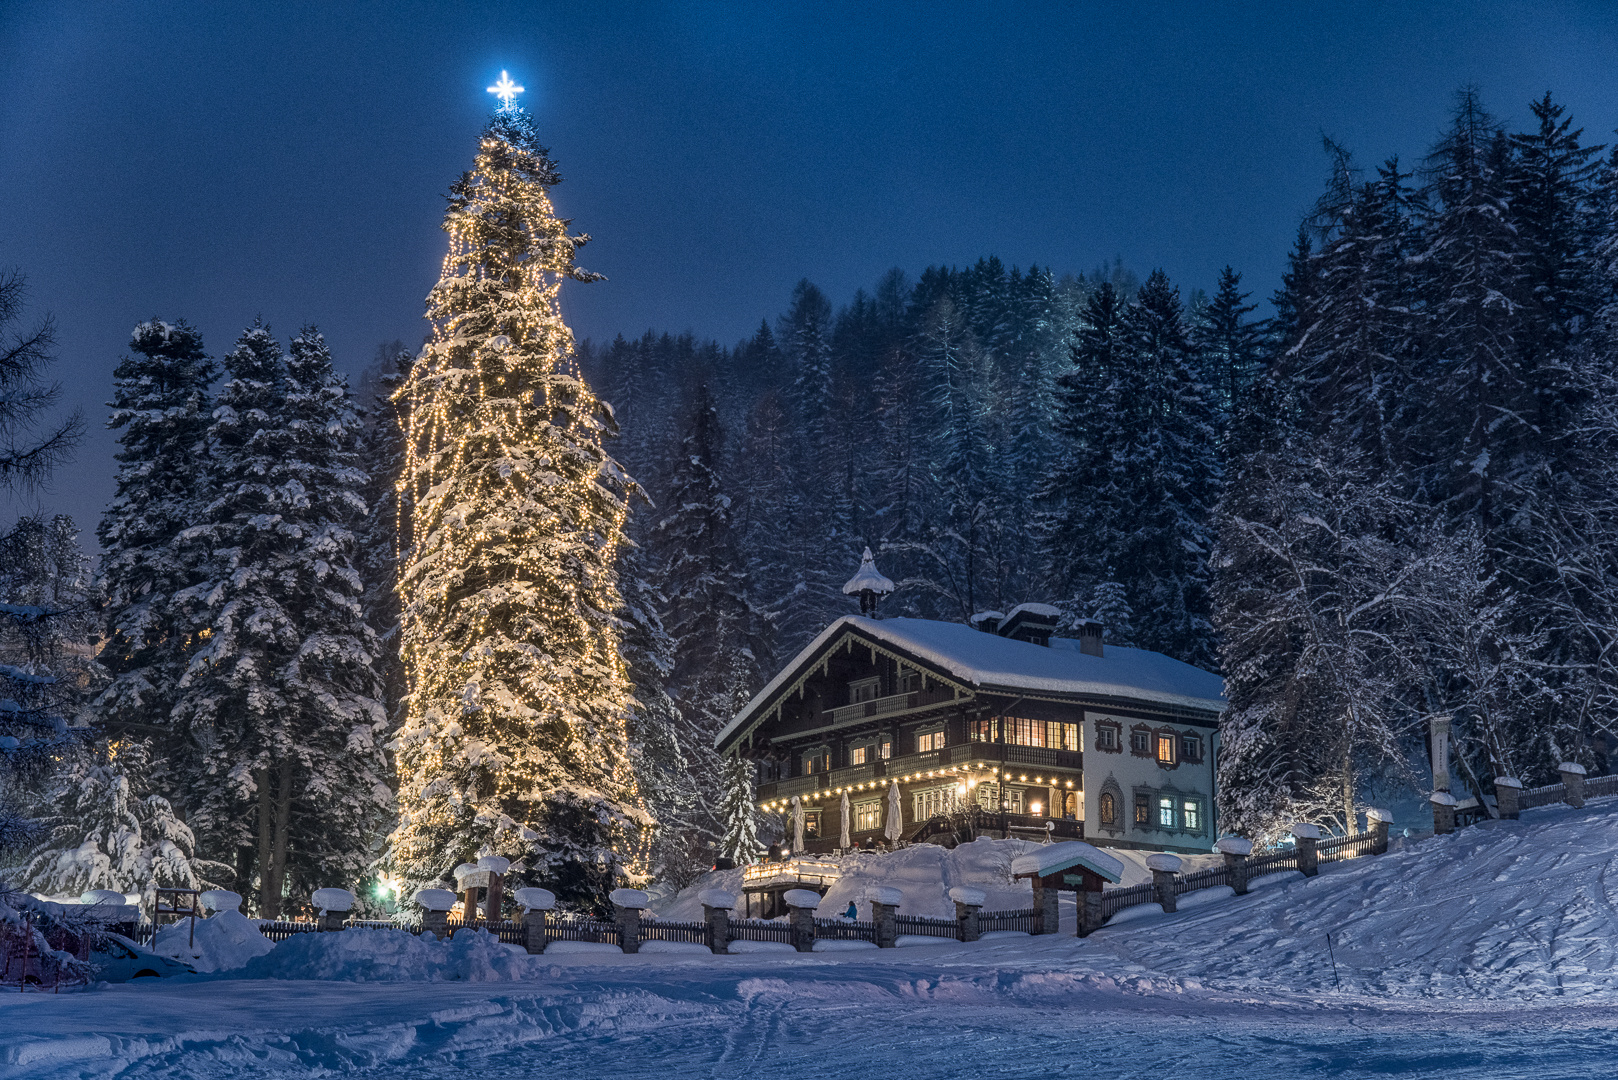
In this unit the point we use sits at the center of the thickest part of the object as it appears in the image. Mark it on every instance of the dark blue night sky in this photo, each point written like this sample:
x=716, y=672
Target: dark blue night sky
x=224, y=160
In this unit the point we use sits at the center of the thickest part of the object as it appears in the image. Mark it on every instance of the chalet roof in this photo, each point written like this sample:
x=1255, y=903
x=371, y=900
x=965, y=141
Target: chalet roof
x=990, y=662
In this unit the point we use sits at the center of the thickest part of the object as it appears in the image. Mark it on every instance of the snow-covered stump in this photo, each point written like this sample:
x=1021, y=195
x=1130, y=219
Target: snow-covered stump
x=968, y=903
x=1443, y=812
x=535, y=903
x=1572, y=783
x=1236, y=852
x=801, y=907
x=717, y=904
x=334, y=906
x=435, y=906
x=1165, y=869
x=1306, y=839
x=628, y=904
x=885, y=903
x=1047, y=910
x=1508, y=797
x=1377, y=823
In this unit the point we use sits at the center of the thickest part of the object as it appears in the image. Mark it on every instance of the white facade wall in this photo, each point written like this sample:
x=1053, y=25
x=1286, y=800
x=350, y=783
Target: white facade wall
x=1126, y=775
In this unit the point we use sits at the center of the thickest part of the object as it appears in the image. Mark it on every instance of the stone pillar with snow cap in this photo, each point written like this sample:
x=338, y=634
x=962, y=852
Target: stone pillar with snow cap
x=1378, y=822
x=885, y=902
x=1572, y=783
x=1071, y=865
x=1306, y=839
x=535, y=903
x=496, y=867
x=465, y=875
x=334, y=906
x=968, y=903
x=435, y=907
x=1236, y=851
x=1508, y=797
x=629, y=904
x=801, y=907
x=1443, y=812
x=717, y=904
x=1165, y=869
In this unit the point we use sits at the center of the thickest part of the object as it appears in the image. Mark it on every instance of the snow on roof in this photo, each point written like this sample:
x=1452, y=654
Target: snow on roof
x=1053, y=858
x=1034, y=609
x=867, y=577
x=994, y=662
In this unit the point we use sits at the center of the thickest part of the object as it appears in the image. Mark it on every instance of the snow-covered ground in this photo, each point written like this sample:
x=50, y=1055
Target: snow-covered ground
x=1490, y=952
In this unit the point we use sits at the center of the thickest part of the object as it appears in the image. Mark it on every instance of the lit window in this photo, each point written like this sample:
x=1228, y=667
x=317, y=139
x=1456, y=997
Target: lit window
x=932, y=741
x=1109, y=809
x=887, y=750
x=1143, y=810
x=1165, y=812
x=1165, y=749
x=1193, y=815
x=859, y=755
x=868, y=815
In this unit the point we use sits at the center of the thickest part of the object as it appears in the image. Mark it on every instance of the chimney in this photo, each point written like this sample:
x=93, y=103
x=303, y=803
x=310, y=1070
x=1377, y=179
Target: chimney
x=868, y=584
x=1090, y=632
x=987, y=621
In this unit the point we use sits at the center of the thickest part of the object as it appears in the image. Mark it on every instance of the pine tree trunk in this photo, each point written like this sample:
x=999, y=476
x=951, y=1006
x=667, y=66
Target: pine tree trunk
x=283, y=826
x=269, y=896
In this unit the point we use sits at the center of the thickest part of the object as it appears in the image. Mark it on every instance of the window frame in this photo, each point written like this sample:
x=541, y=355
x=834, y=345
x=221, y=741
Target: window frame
x=1143, y=810
x=1165, y=806
x=1166, y=747
x=859, y=755
x=1193, y=742
x=934, y=740
x=1107, y=808
x=1109, y=732
x=1191, y=815
x=1140, y=741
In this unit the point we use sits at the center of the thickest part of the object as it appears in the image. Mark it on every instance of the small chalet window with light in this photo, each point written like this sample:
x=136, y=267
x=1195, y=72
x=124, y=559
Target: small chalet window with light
x=1143, y=810
x=860, y=755
x=1190, y=748
x=933, y=740
x=886, y=750
x=1109, y=809
x=868, y=815
x=1191, y=815
x=1165, y=749
x=1165, y=812
x=816, y=761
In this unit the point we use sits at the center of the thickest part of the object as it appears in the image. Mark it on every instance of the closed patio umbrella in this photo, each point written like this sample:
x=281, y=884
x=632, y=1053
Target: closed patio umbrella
x=797, y=825
x=895, y=827
x=842, y=840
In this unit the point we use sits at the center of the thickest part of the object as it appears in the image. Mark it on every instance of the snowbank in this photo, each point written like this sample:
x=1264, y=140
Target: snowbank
x=223, y=942
x=394, y=956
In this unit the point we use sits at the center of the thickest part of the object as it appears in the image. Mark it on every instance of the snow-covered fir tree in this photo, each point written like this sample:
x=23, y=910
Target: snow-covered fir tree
x=739, y=813
x=381, y=539
x=106, y=830
x=160, y=408
x=515, y=734
x=282, y=696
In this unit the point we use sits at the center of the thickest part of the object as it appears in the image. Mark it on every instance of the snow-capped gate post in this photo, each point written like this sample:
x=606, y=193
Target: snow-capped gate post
x=717, y=904
x=1377, y=822
x=968, y=902
x=494, y=886
x=1165, y=868
x=435, y=905
x=334, y=906
x=1306, y=839
x=801, y=907
x=1572, y=783
x=1072, y=865
x=1235, y=850
x=885, y=903
x=1508, y=797
x=629, y=903
x=1443, y=812
x=534, y=903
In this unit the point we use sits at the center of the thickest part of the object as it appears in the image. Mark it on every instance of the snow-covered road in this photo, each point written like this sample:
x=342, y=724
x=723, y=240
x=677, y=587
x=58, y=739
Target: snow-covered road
x=1487, y=953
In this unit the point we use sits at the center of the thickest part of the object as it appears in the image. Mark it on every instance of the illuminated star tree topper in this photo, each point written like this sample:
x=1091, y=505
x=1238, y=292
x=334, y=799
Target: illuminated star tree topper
x=506, y=91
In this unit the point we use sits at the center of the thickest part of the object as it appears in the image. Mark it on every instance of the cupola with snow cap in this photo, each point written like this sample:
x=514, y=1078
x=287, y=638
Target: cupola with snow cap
x=868, y=584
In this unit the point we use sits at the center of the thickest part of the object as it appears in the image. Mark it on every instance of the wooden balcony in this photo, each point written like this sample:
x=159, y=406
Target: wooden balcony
x=893, y=703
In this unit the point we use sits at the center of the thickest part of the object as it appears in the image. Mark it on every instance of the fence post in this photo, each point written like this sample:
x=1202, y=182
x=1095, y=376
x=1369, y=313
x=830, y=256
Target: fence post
x=1235, y=850
x=534, y=903
x=1377, y=823
x=334, y=906
x=435, y=905
x=801, y=907
x=1572, y=783
x=629, y=903
x=968, y=902
x=1307, y=839
x=885, y=903
x=1508, y=797
x=1443, y=812
x=496, y=868
x=717, y=904
x=1164, y=867
x=1046, y=909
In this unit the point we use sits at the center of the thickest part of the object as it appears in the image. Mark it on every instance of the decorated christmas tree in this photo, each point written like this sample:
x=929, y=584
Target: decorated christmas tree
x=515, y=737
